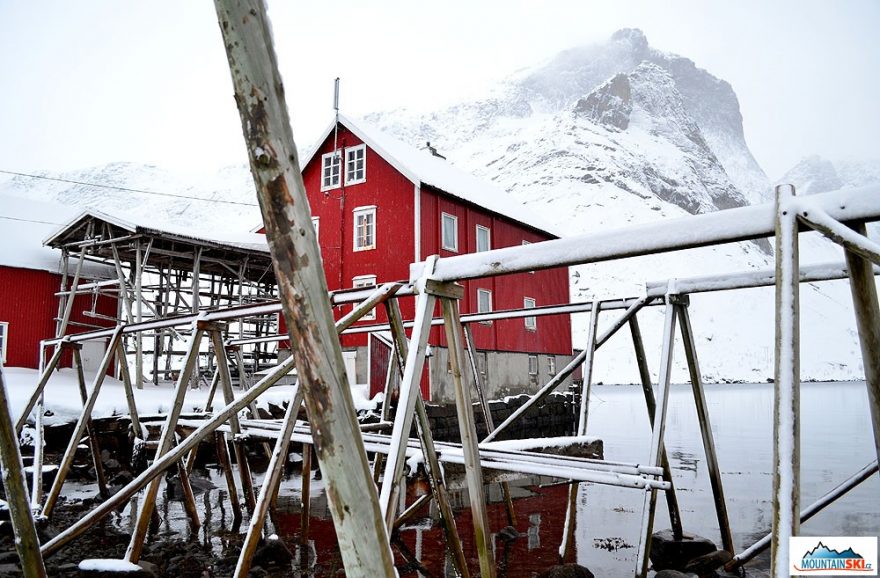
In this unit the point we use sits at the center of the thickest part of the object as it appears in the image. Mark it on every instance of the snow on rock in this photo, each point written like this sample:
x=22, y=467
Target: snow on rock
x=109, y=565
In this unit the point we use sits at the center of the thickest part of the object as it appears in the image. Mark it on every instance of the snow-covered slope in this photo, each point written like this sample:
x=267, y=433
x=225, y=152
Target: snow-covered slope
x=223, y=201
x=815, y=174
x=620, y=133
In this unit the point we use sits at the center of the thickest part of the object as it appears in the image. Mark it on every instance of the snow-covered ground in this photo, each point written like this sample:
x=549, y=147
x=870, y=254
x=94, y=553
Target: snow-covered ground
x=63, y=405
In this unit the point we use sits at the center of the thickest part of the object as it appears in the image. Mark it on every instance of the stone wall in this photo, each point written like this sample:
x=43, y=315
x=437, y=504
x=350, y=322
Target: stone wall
x=556, y=416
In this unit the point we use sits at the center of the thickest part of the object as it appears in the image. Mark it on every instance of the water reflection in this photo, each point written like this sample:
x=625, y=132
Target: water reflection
x=837, y=441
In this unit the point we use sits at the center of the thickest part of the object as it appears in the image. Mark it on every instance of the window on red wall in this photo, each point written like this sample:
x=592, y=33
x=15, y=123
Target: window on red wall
x=330, y=170
x=364, y=228
x=531, y=323
x=449, y=231
x=484, y=302
x=484, y=238
x=4, y=338
x=365, y=281
x=355, y=165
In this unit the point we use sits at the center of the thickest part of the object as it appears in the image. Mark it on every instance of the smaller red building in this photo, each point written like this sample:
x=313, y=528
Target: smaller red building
x=379, y=205
x=30, y=280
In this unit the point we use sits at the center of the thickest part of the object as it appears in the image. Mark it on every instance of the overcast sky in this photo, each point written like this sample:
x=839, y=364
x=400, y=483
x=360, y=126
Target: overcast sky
x=90, y=82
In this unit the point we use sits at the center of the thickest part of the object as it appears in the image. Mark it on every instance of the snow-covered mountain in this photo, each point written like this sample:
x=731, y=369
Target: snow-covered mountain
x=203, y=203
x=816, y=174
x=620, y=133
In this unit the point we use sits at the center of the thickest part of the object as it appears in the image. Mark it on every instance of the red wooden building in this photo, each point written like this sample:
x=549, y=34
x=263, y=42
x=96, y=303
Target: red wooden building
x=379, y=205
x=30, y=279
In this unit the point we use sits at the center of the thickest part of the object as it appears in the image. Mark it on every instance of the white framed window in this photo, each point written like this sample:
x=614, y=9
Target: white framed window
x=449, y=231
x=533, y=365
x=551, y=365
x=484, y=238
x=4, y=339
x=330, y=170
x=524, y=244
x=484, y=303
x=355, y=165
x=364, y=228
x=531, y=323
x=365, y=281
x=316, y=225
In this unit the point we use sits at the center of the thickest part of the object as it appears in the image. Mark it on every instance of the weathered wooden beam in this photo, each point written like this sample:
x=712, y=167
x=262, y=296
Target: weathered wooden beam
x=657, y=434
x=363, y=539
x=26, y=542
x=690, y=351
x=469, y=441
x=864, y=295
x=786, y=386
x=94, y=446
x=651, y=405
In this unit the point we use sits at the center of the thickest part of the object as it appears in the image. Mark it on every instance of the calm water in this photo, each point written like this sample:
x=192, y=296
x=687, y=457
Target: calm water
x=836, y=442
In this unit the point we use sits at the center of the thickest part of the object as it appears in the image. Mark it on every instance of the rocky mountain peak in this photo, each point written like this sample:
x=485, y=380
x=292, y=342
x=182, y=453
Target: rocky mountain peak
x=634, y=37
x=610, y=104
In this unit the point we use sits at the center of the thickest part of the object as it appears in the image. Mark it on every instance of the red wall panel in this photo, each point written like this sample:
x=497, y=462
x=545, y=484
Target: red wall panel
x=28, y=303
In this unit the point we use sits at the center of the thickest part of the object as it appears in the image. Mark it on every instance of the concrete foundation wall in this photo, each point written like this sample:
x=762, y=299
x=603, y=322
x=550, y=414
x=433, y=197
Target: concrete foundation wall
x=506, y=374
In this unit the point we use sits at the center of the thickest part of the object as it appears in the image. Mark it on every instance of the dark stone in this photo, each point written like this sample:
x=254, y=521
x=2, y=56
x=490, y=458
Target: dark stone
x=672, y=574
x=567, y=571
x=669, y=553
x=10, y=570
x=707, y=563
x=272, y=553
x=149, y=569
x=508, y=534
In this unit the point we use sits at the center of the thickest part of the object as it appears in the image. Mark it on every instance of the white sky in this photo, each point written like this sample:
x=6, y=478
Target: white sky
x=90, y=82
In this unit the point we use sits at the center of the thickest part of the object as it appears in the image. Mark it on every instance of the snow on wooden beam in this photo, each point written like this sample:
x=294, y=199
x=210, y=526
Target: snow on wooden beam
x=729, y=226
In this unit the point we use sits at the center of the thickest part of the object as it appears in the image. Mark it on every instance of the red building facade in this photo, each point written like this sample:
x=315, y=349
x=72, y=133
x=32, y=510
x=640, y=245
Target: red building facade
x=379, y=205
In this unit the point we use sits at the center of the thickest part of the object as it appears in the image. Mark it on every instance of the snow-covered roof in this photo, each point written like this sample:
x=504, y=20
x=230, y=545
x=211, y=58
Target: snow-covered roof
x=423, y=168
x=24, y=223
x=143, y=224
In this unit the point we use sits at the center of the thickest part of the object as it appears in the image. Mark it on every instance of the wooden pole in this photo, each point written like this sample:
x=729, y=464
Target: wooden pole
x=26, y=542
x=690, y=351
x=487, y=417
x=657, y=438
x=136, y=544
x=363, y=539
x=129, y=392
x=429, y=451
x=226, y=466
x=244, y=470
x=469, y=441
x=305, y=495
x=651, y=404
x=80, y=426
x=409, y=393
x=588, y=369
x=139, y=315
x=864, y=295
x=786, y=386
x=90, y=428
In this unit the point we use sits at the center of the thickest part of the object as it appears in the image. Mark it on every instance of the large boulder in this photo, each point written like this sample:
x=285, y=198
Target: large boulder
x=669, y=553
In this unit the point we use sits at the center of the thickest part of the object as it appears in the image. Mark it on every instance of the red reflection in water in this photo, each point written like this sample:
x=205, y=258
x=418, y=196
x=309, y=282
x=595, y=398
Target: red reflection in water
x=540, y=522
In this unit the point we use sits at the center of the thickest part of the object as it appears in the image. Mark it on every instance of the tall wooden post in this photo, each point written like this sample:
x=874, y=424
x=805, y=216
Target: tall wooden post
x=864, y=294
x=786, y=386
x=259, y=93
x=26, y=542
